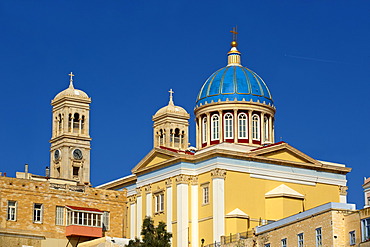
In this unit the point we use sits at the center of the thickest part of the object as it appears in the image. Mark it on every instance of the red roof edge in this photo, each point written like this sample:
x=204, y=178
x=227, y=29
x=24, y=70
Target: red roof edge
x=274, y=144
x=176, y=151
x=85, y=209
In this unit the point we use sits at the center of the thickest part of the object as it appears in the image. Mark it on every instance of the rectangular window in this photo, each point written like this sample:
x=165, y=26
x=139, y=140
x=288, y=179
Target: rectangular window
x=159, y=202
x=59, y=216
x=352, y=238
x=205, y=193
x=365, y=229
x=12, y=211
x=300, y=240
x=284, y=242
x=318, y=237
x=105, y=221
x=37, y=213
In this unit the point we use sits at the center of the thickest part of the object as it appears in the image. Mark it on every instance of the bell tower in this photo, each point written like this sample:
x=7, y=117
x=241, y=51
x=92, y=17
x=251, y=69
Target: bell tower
x=171, y=126
x=70, y=142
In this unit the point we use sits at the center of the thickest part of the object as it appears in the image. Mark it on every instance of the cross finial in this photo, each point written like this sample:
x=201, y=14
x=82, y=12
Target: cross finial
x=235, y=33
x=171, y=96
x=71, y=79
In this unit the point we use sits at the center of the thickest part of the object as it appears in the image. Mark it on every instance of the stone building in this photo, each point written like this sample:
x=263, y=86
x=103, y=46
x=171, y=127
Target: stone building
x=61, y=208
x=237, y=177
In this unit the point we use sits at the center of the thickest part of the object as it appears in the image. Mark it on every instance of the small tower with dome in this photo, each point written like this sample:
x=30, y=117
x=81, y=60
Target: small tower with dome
x=234, y=105
x=171, y=126
x=70, y=141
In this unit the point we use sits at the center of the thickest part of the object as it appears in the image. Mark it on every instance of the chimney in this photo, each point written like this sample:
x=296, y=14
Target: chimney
x=26, y=171
x=47, y=172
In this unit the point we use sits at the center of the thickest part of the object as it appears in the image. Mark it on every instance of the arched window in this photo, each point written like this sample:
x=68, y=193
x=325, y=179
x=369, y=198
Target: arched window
x=177, y=137
x=60, y=123
x=255, y=127
x=70, y=120
x=266, y=126
x=215, y=130
x=204, y=130
x=228, y=123
x=76, y=123
x=83, y=124
x=243, y=126
x=161, y=137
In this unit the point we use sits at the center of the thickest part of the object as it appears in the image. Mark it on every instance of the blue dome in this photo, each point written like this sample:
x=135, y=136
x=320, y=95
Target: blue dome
x=234, y=82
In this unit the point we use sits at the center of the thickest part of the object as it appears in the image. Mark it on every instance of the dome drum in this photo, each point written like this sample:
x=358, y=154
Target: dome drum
x=244, y=126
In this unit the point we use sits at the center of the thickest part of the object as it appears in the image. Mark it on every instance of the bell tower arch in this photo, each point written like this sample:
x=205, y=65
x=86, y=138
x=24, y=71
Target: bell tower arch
x=70, y=141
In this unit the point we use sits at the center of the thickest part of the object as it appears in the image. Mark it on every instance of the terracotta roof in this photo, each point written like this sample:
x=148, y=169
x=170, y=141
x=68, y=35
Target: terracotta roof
x=85, y=209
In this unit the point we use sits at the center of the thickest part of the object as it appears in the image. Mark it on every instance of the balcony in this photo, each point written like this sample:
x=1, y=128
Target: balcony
x=85, y=222
x=85, y=231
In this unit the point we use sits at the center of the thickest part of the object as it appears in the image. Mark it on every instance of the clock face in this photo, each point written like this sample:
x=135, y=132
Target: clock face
x=77, y=154
x=57, y=154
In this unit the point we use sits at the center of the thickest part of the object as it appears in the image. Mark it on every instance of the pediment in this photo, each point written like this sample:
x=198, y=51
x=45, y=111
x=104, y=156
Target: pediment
x=154, y=158
x=284, y=152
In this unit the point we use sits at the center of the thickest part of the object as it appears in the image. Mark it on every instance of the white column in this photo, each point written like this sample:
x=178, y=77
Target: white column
x=139, y=215
x=194, y=213
x=262, y=122
x=132, y=220
x=221, y=126
x=250, y=134
x=208, y=134
x=235, y=125
x=182, y=210
x=169, y=204
x=149, y=201
x=218, y=195
x=197, y=133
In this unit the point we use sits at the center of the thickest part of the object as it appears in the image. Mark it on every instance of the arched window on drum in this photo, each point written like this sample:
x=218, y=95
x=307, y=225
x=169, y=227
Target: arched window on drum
x=215, y=129
x=266, y=128
x=242, y=126
x=228, y=123
x=204, y=130
x=255, y=127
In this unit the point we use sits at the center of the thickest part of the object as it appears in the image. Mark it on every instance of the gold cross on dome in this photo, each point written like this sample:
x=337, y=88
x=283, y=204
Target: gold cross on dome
x=71, y=79
x=235, y=33
x=171, y=92
x=71, y=75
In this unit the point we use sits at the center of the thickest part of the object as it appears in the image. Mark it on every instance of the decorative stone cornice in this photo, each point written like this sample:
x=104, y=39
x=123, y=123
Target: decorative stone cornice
x=194, y=180
x=182, y=179
x=168, y=182
x=343, y=190
x=218, y=173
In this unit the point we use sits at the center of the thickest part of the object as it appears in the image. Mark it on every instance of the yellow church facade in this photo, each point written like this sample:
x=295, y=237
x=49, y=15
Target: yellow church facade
x=236, y=178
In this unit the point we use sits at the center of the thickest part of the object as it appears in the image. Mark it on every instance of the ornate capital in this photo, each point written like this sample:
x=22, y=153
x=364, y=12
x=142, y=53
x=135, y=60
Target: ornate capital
x=132, y=199
x=218, y=173
x=194, y=180
x=138, y=191
x=168, y=182
x=182, y=179
x=148, y=188
x=343, y=190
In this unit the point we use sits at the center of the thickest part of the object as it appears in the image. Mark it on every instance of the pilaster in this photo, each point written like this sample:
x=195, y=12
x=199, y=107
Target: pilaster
x=218, y=195
x=182, y=182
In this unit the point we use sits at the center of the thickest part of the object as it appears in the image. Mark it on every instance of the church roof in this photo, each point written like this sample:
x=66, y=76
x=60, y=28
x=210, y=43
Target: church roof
x=71, y=91
x=234, y=83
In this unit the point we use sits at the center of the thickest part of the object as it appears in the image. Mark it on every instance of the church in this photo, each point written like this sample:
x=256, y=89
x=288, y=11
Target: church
x=236, y=178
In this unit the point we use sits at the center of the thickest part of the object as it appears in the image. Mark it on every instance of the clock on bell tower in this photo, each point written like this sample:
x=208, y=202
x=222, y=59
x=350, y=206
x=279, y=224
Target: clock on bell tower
x=70, y=142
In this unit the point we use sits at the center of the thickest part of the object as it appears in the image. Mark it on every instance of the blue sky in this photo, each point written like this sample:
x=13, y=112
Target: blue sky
x=313, y=55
